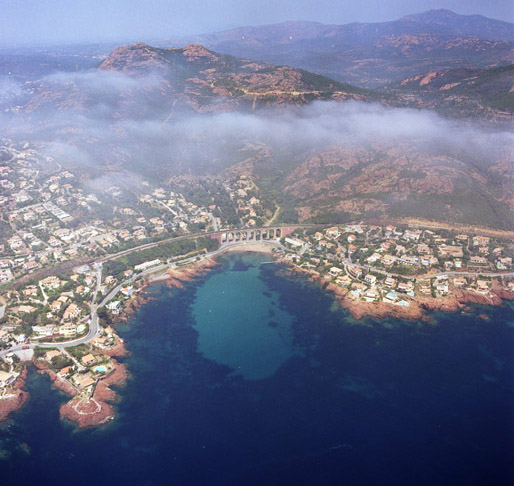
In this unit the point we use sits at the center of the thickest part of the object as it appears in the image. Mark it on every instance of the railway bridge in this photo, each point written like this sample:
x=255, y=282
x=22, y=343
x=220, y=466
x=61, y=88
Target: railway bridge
x=257, y=234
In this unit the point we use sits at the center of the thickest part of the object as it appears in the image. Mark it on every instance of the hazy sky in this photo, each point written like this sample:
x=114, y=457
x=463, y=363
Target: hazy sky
x=55, y=21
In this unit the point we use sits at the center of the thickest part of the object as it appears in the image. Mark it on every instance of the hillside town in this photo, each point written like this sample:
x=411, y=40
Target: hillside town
x=72, y=261
x=50, y=216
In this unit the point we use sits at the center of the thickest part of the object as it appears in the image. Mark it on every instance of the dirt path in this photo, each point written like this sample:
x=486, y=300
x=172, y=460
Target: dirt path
x=274, y=217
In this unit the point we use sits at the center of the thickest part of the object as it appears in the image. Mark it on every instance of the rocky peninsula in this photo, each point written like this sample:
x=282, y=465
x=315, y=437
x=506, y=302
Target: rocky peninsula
x=91, y=406
x=97, y=408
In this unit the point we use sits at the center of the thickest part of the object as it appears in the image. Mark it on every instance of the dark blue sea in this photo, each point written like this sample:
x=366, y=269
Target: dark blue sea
x=248, y=376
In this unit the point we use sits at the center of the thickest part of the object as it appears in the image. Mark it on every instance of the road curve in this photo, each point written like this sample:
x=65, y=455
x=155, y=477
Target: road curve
x=94, y=327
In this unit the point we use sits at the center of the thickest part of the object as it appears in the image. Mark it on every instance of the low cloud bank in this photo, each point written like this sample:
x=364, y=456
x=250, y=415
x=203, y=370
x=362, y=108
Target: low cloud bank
x=98, y=129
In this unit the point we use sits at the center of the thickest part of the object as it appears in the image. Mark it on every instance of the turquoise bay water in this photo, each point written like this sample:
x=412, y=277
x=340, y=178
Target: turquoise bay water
x=240, y=322
x=247, y=376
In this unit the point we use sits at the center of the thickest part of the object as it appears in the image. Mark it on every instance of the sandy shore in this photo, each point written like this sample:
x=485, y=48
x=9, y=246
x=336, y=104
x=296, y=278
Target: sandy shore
x=253, y=247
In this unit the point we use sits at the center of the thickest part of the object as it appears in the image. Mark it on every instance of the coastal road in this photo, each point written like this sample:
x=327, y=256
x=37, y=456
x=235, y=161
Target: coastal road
x=464, y=274
x=94, y=328
x=206, y=234
x=346, y=262
x=162, y=268
x=83, y=260
x=247, y=245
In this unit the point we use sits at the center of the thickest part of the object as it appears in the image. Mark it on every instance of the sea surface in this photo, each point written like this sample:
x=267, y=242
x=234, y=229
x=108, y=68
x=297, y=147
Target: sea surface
x=250, y=376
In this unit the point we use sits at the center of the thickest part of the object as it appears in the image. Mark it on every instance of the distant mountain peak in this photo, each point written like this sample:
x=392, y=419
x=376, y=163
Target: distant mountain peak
x=433, y=14
x=132, y=57
x=200, y=78
x=197, y=51
x=138, y=45
x=374, y=54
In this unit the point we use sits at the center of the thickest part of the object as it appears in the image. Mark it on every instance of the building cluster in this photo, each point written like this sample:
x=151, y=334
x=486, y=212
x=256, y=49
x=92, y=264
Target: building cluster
x=395, y=264
x=251, y=207
x=82, y=366
x=57, y=308
x=47, y=215
x=52, y=308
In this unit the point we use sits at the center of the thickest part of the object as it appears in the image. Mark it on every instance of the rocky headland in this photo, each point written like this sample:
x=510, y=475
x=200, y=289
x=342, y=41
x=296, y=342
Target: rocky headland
x=97, y=408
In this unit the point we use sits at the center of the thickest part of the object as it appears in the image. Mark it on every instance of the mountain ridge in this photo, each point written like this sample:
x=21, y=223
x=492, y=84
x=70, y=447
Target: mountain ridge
x=195, y=78
x=467, y=91
x=373, y=54
x=340, y=161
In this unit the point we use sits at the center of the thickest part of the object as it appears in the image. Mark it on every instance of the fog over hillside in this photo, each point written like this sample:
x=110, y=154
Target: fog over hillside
x=92, y=121
x=101, y=95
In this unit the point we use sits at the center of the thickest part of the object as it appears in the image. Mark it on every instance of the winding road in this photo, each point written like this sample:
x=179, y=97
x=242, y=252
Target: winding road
x=94, y=327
